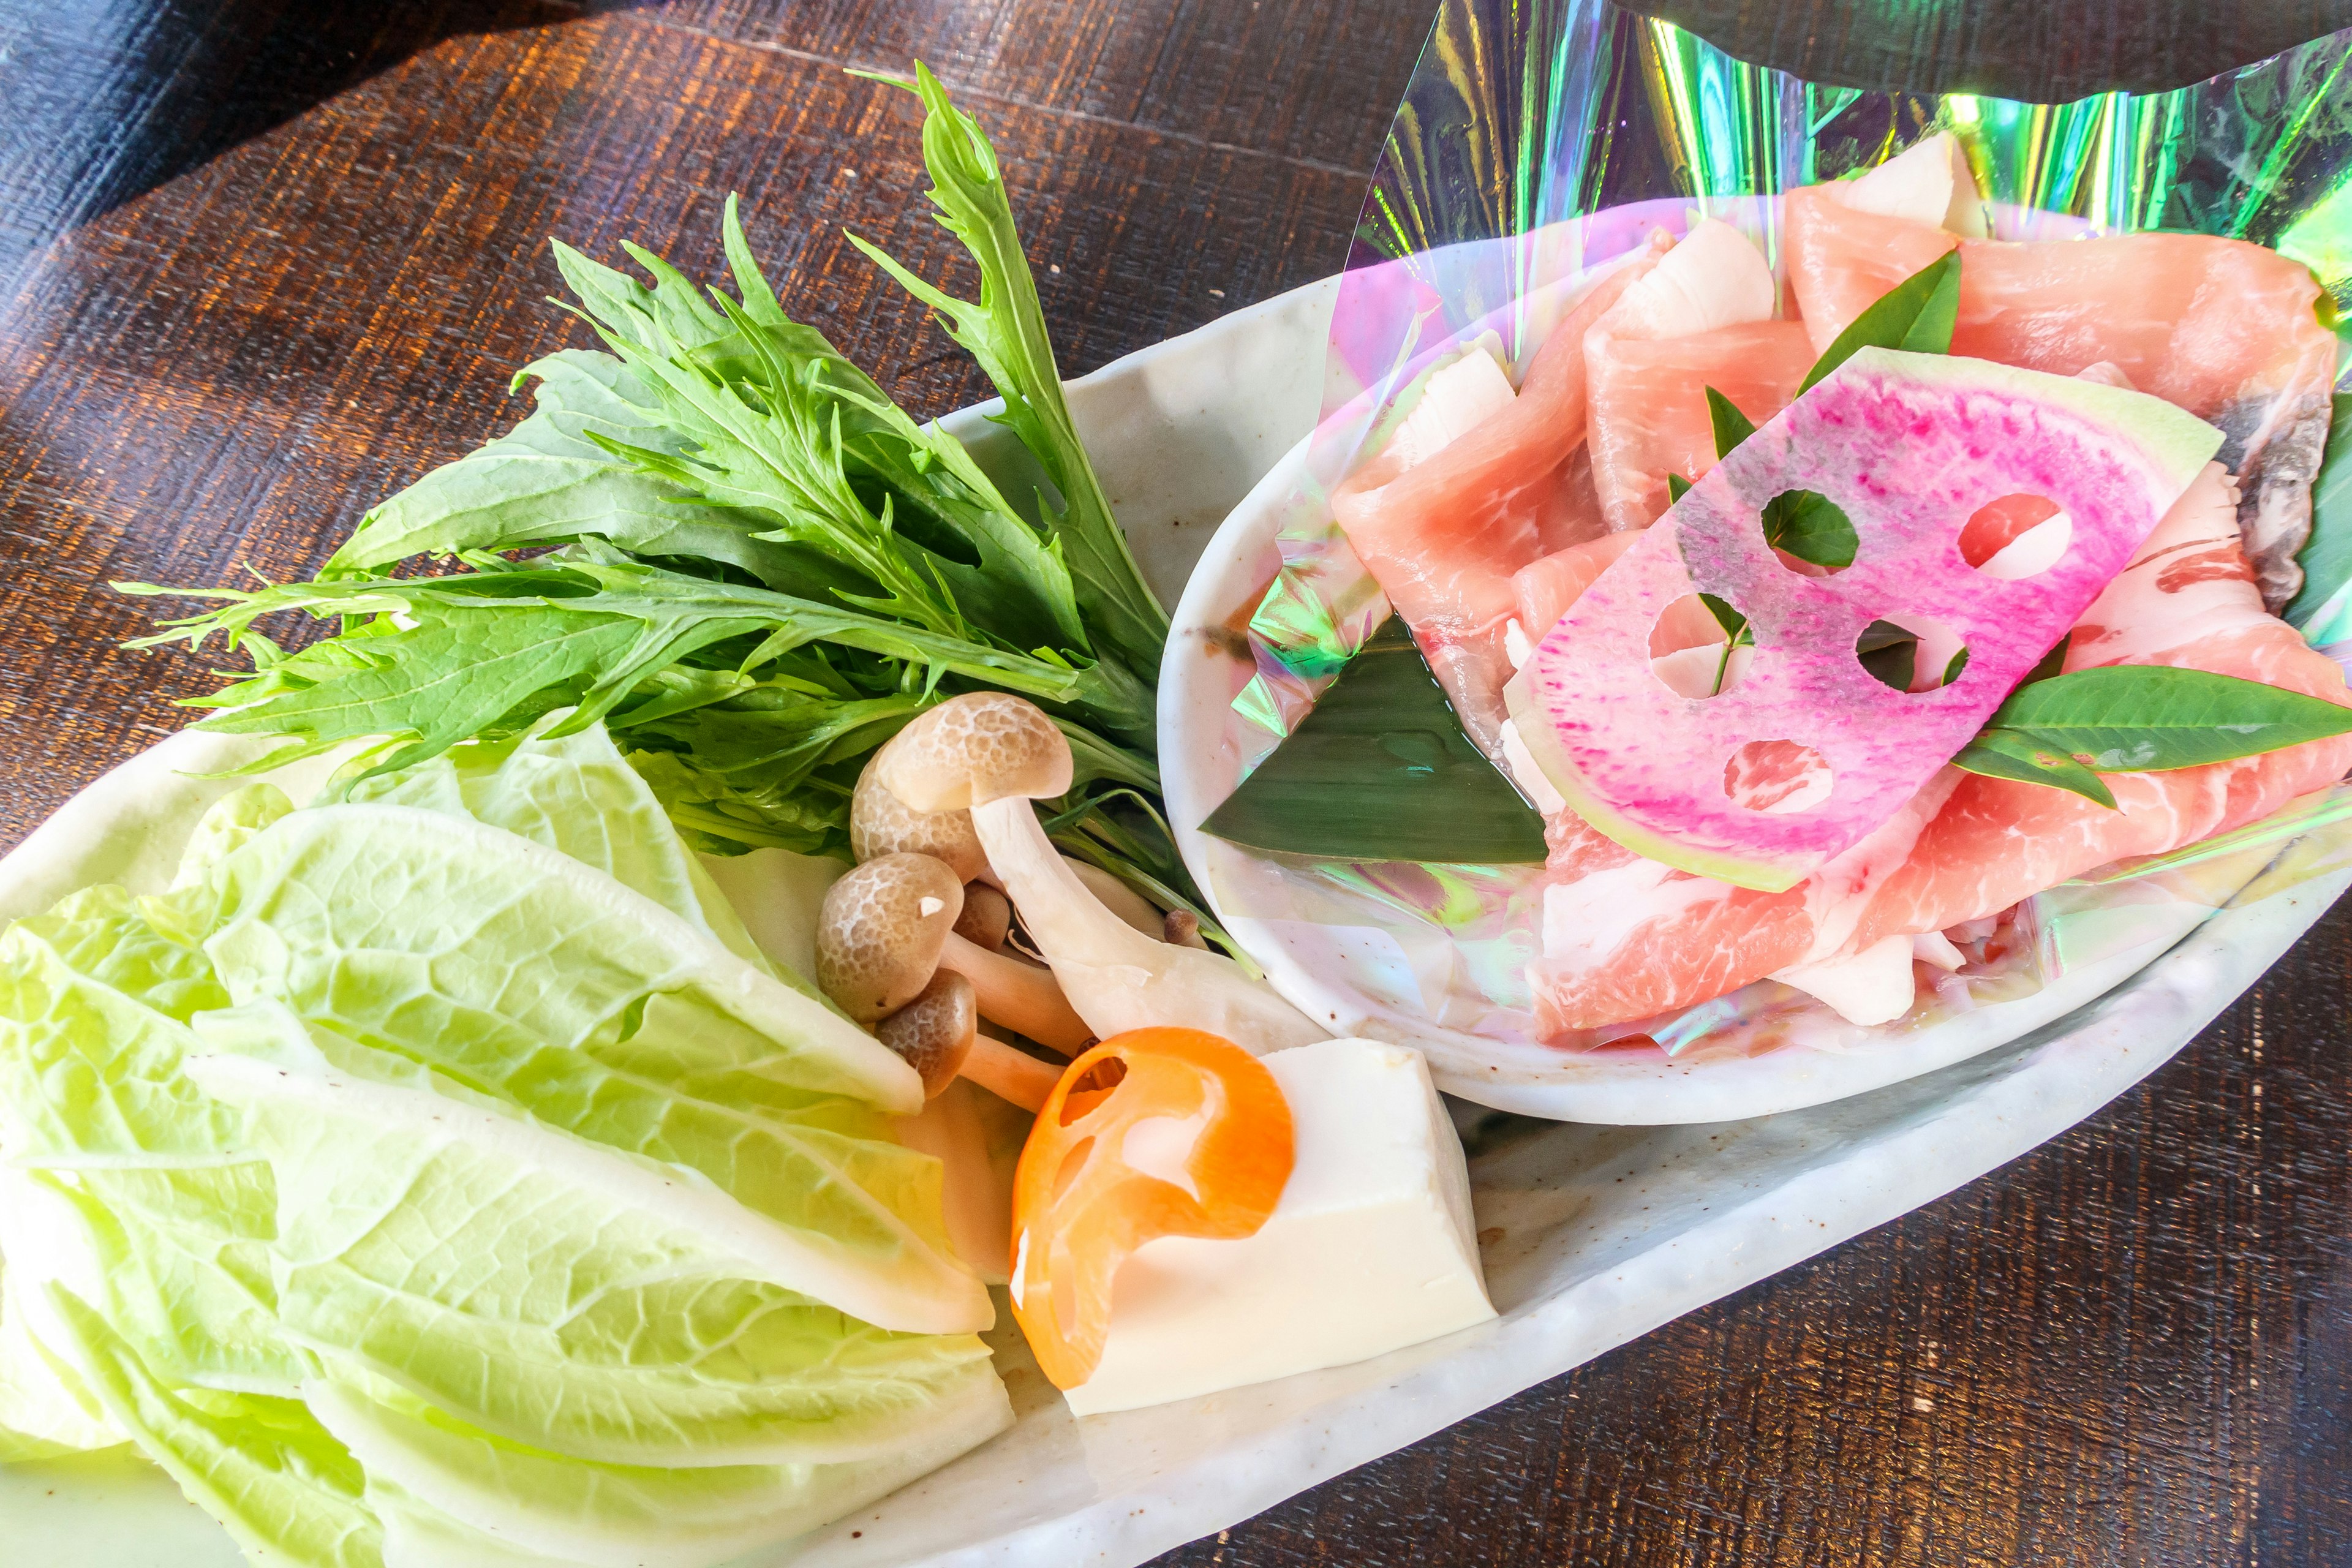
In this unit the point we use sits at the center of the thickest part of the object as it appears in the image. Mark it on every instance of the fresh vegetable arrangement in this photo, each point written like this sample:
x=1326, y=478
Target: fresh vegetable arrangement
x=455, y=1164
x=510, y=1151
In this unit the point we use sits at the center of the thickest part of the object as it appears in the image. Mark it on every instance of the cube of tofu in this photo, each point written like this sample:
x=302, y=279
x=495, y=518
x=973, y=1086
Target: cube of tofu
x=1372, y=1246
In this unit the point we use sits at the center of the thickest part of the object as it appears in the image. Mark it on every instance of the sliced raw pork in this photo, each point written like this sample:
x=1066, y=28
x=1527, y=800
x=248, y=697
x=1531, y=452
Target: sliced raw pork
x=2225, y=329
x=1702, y=319
x=1442, y=532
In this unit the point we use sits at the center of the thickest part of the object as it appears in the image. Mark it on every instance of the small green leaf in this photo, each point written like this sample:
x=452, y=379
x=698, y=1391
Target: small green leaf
x=1732, y=621
x=1382, y=771
x=2012, y=754
x=1889, y=652
x=1811, y=526
x=1917, y=315
x=2136, y=718
x=1731, y=426
x=1677, y=487
x=1960, y=662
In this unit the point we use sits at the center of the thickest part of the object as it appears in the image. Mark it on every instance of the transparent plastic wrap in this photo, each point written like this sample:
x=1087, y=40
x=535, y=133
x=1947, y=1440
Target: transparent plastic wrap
x=1537, y=146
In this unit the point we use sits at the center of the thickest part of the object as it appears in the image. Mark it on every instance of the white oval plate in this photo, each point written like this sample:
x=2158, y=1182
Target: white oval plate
x=1594, y=1234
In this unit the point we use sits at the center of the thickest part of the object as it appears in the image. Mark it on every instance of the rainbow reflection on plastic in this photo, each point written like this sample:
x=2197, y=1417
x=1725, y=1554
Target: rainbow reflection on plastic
x=1540, y=138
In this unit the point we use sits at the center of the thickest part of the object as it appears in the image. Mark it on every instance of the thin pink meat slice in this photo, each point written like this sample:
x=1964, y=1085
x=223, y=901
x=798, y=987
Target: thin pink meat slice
x=1969, y=847
x=2228, y=330
x=1444, y=537
x=1650, y=416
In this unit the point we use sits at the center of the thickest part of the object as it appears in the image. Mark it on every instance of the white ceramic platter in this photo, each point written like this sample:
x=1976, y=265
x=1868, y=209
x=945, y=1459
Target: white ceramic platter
x=1595, y=1235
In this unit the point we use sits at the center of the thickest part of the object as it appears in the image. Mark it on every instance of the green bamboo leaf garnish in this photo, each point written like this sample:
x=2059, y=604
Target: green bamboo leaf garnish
x=2012, y=754
x=1379, y=770
x=2135, y=718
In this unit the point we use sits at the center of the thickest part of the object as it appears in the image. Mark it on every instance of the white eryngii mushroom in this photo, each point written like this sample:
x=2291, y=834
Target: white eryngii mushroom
x=887, y=934
x=993, y=755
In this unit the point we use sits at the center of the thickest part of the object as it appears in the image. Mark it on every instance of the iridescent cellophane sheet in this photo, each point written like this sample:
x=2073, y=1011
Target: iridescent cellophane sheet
x=1538, y=141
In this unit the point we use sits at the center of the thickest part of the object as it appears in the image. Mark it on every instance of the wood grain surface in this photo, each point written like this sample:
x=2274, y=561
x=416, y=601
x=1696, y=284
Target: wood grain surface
x=263, y=262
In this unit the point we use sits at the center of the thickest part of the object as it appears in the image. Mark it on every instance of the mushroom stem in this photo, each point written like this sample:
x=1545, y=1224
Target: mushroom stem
x=1010, y=1073
x=1018, y=995
x=1117, y=977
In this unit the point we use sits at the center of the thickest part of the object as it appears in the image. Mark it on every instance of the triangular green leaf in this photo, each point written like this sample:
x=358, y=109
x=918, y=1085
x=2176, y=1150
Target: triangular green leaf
x=1382, y=771
x=1917, y=315
x=1731, y=426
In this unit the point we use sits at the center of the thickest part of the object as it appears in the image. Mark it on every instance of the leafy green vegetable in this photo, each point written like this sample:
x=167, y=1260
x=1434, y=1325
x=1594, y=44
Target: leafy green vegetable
x=517, y=1207
x=722, y=539
x=1379, y=770
x=262, y=1467
x=1005, y=330
x=1917, y=315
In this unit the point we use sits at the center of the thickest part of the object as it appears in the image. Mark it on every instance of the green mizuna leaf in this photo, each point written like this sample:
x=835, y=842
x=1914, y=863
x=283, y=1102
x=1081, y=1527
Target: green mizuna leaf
x=1379, y=770
x=1004, y=330
x=1677, y=487
x=1917, y=315
x=2131, y=718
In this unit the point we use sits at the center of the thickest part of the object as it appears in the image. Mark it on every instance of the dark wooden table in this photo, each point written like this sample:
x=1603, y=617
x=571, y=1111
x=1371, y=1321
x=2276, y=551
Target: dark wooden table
x=260, y=266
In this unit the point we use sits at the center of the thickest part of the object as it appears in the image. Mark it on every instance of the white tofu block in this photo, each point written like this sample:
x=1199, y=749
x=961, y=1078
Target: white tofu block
x=1372, y=1246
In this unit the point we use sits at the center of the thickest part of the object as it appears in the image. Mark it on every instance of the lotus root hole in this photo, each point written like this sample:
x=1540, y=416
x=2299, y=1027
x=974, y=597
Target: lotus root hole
x=1692, y=650
x=2018, y=536
x=1911, y=653
x=1809, y=533
x=1779, y=777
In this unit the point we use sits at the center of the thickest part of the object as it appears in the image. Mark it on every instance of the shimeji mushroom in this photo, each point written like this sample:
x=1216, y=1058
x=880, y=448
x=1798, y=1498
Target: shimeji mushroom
x=991, y=754
x=938, y=1033
x=881, y=823
x=885, y=933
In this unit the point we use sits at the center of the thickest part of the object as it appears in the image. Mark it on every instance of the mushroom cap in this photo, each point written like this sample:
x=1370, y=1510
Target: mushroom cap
x=881, y=823
x=969, y=750
x=933, y=1034
x=879, y=932
x=987, y=916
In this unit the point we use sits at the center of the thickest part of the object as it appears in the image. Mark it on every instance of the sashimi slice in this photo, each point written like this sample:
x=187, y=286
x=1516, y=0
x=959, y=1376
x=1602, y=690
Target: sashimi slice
x=1443, y=535
x=1626, y=938
x=1701, y=318
x=2225, y=329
